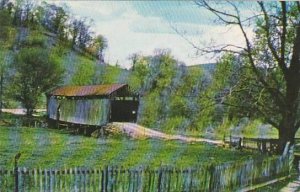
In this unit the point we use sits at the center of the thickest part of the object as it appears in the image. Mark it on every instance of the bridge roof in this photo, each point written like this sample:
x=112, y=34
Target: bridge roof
x=88, y=90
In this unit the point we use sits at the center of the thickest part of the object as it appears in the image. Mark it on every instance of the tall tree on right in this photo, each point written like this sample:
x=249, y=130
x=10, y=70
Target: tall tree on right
x=270, y=60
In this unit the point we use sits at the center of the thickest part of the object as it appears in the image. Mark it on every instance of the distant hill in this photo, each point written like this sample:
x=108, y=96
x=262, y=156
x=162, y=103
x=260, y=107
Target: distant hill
x=208, y=67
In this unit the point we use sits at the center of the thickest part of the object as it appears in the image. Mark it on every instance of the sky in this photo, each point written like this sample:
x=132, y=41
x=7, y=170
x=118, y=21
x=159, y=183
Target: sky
x=143, y=26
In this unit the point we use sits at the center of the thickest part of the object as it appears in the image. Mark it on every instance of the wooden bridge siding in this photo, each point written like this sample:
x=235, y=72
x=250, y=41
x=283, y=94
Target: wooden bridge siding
x=79, y=111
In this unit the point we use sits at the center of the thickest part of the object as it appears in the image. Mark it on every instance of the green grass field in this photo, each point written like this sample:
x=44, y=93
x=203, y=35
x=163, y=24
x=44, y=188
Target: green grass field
x=52, y=148
x=45, y=148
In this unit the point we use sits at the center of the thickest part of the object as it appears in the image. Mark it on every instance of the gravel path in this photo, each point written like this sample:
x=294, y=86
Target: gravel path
x=136, y=131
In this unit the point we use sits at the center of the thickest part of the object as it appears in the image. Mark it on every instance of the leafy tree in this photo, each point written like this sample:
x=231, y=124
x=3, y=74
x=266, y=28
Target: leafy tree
x=271, y=61
x=151, y=77
x=139, y=71
x=54, y=18
x=84, y=72
x=149, y=110
x=168, y=90
x=111, y=74
x=99, y=44
x=24, y=13
x=27, y=13
x=37, y=70
x=7, y=35
x=188, y=92
x=3, y=68
x=6, y=28
x=224, y=78
x=81, y=32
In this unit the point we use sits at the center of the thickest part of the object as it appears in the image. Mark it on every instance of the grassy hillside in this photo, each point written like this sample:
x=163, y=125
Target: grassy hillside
x=79, y=67
x=82, y=68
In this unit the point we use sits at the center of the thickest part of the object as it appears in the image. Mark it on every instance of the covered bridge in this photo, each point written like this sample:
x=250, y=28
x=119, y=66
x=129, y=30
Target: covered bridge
x=94, y=105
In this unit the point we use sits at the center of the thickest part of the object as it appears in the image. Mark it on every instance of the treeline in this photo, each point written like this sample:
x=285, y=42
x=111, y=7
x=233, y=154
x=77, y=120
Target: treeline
x=176, y=97
x=69, y=30
x=179, y=98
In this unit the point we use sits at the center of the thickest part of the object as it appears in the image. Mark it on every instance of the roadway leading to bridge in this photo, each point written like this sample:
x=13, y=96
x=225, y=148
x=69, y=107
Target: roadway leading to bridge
x=135, y=130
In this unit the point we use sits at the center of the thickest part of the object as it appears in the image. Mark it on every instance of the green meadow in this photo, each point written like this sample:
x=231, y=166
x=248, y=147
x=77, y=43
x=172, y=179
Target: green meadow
x=52, y=148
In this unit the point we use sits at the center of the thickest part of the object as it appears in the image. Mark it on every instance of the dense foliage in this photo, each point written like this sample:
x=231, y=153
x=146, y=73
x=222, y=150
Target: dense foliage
x=171, y=93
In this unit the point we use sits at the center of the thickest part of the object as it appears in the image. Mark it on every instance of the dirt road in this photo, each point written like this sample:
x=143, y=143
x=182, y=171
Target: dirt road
x=21, y=111
x=137, y=131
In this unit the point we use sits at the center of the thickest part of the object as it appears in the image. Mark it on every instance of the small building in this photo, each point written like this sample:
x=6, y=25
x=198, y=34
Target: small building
x=94, y=105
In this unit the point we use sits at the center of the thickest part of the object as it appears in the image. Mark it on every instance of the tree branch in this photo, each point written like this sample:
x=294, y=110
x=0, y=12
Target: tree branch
x=298, y=6
x=279, y=98
x=277, y=94
x=283, y=37
x=219, y=14
x=296, y=49
x=267, y=30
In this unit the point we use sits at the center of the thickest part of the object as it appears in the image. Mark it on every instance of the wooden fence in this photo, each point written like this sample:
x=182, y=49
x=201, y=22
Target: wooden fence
x=261, y=144
x=223, y=177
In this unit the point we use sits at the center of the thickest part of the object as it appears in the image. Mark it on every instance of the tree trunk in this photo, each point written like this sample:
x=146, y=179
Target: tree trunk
x=29, y=111
x=1, y=91
x=288, y=129
x=286, y=134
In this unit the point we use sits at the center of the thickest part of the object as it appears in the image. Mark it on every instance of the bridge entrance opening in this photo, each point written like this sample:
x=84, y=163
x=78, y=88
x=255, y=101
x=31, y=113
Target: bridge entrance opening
x=123, y=111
